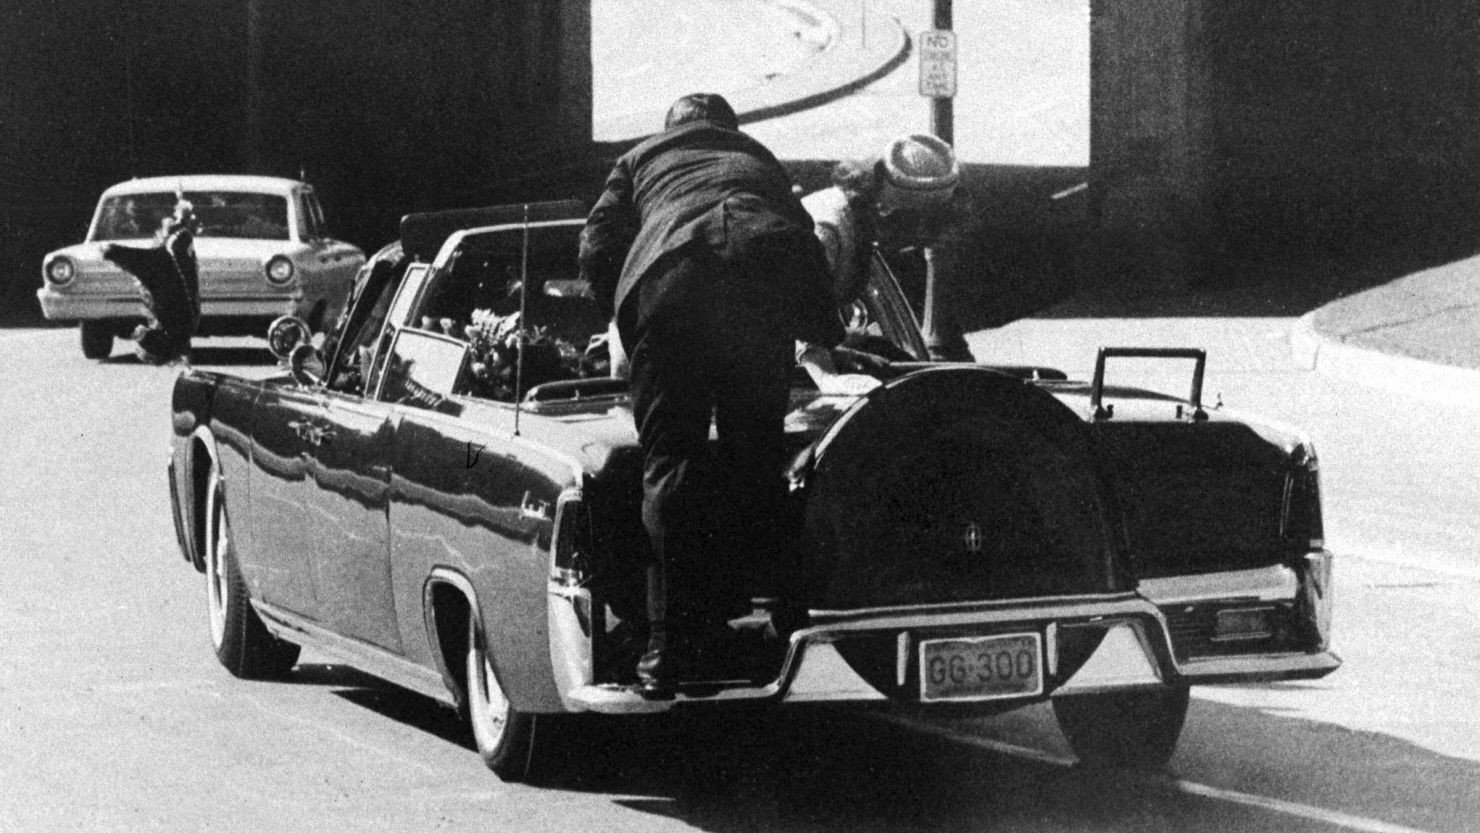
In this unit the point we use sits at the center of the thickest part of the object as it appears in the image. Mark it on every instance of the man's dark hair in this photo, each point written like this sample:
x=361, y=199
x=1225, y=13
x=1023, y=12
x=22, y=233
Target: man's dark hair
x=708, y=107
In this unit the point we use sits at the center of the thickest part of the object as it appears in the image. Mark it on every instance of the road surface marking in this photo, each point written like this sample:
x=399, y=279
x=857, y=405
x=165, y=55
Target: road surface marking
x=1289, y=808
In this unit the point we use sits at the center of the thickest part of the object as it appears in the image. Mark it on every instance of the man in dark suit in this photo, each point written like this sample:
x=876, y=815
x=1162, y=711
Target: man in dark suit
x=170, y=284
x=707, y=259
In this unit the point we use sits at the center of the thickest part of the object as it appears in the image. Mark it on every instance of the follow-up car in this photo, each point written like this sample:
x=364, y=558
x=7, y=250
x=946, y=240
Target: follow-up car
x=975, y=539
x=262, y=251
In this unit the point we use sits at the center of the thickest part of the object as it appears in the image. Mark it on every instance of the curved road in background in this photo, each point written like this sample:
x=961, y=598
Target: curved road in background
x=1023, y=73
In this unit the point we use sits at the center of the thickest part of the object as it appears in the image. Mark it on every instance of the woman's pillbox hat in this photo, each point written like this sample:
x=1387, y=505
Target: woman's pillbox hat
x=918, y=172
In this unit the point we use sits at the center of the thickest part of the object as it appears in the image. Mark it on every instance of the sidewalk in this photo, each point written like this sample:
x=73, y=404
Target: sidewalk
x=1418, y=334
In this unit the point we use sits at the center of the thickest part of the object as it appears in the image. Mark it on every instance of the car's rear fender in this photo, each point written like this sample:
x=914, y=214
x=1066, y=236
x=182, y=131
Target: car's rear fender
x=192, y=455
x=211, y=431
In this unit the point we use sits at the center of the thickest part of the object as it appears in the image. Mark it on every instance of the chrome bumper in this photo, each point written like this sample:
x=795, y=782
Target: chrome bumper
x=1135, y=650
x=64, y=306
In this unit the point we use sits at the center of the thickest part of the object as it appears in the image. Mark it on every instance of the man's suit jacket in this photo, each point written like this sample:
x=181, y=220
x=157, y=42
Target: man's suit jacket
x=703, y=184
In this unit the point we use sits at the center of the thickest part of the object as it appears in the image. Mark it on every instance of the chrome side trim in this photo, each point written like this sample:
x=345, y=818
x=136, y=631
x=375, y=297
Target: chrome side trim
x=1135, y=653
x=1019, y=610
x=69, y=306
x=570, y=646
x=1316, y=599
x=1259, y=668
x=988, y=604
x=1265, y=584
x=372, y=660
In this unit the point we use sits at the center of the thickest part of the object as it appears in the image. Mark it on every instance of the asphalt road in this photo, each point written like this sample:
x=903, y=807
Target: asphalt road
x=115, y=716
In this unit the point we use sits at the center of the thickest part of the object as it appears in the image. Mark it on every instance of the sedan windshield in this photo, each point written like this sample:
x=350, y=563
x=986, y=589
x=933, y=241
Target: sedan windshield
x=221, y=214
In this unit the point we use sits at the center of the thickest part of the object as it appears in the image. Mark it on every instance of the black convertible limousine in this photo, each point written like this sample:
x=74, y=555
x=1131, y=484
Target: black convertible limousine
x=445, y=493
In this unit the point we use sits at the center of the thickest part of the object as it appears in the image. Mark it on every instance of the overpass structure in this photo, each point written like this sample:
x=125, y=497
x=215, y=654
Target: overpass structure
x=1228, y=131
x=1220, y=130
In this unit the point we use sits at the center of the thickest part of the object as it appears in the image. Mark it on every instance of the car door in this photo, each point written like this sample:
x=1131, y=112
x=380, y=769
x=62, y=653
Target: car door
x=350, y=447
x=283, y=525
x=470, y=497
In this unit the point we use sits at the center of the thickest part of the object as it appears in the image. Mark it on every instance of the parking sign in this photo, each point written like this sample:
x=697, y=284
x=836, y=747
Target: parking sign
x=938, y=63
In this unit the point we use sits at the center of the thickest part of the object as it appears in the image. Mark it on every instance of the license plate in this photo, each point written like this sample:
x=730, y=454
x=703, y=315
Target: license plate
x=981, y=667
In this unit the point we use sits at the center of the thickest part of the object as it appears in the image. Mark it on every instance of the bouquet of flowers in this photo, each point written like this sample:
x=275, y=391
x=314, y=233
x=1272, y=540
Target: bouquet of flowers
x=495, y=342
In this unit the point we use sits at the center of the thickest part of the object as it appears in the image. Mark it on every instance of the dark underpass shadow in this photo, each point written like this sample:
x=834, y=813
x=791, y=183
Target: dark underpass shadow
x=1295, y=259
x=200, y=355
x=843, y=771
x=820, y=768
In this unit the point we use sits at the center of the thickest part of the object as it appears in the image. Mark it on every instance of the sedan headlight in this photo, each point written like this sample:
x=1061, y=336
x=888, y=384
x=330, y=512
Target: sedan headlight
x=61, y=270
x=279, y=271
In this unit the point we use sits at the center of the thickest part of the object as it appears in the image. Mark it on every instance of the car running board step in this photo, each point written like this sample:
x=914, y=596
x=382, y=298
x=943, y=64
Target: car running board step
x=614, y=699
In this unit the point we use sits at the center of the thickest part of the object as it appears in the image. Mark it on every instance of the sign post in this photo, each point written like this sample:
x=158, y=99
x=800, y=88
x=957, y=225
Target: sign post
x=938, y=71
x=942, y=334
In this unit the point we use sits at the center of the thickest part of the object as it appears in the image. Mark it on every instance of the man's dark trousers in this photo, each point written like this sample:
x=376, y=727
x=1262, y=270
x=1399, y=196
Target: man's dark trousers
x=707, y=339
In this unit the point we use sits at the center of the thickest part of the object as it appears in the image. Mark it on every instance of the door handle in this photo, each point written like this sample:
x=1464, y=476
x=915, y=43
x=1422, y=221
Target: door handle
x=310, y=433
x=301, y=428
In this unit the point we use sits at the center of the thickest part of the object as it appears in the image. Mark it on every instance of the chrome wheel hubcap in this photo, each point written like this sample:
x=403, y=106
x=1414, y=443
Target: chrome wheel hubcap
x=489, y=707
x=218, y=545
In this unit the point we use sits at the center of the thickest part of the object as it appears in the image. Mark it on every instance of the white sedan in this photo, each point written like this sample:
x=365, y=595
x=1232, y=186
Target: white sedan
x=263, y=251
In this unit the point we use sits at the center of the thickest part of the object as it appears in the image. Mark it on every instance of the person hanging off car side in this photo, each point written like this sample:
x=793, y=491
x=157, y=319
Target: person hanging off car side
x=706, y=258
x=169, y=282
x=897, y=195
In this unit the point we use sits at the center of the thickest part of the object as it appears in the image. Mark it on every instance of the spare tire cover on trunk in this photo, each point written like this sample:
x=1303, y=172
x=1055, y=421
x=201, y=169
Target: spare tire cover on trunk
x=957, y=484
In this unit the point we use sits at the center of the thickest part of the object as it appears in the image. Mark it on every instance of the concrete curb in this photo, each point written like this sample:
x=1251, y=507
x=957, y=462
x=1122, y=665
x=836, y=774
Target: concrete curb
x=833, y=74
x=1311, y=350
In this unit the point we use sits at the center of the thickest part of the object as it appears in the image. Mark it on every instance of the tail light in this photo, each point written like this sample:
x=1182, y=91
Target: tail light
x=1301, y=523
x=279, y=271
x=570, y=548
x=61, y=271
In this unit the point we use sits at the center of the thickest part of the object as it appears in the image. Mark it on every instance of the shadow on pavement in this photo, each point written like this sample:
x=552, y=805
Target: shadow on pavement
x=842, y=771
x=396, y=703
x=807, y=769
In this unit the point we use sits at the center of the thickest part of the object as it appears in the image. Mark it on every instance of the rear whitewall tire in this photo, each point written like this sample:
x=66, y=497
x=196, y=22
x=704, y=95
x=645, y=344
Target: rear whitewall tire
x=505, y=737
x=1135, y=729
